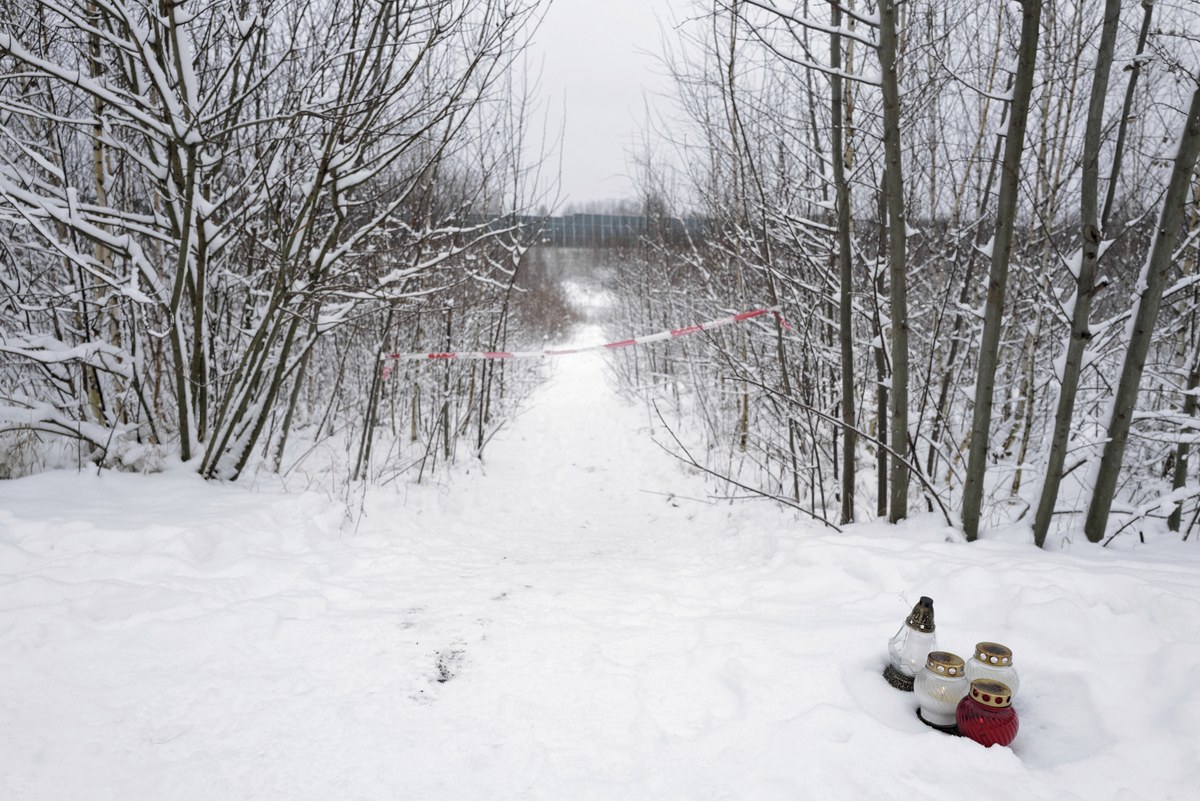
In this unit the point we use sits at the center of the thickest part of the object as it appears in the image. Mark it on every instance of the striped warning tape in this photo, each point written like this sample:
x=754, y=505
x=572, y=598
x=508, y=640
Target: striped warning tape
x=661, y=336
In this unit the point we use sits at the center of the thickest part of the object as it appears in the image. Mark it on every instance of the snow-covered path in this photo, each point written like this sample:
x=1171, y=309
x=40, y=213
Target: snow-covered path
x=566, y=622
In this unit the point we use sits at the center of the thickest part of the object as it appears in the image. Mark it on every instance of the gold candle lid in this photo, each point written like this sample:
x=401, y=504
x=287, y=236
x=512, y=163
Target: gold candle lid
x=990, y=692
x=944, y=663
x=921, y=617
x=994, y=654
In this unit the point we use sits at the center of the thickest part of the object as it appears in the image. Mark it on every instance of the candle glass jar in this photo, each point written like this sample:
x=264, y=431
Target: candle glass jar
x=986, y=715
x=994, y=661
x=911, y=644
x=939, y=688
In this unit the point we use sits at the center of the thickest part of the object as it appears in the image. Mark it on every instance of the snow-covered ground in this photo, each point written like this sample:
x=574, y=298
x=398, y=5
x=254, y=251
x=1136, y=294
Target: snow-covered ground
x=570, y=620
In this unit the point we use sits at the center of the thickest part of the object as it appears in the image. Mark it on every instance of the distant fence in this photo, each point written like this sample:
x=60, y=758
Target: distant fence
x=598, y=230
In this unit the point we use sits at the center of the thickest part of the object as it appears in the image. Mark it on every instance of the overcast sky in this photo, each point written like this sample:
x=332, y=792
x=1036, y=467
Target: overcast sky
x=600, y=64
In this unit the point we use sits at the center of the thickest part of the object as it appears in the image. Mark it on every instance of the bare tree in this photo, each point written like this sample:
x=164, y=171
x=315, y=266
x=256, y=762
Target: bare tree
x=897, y=225
x=840, y=156
x=1145, y=315
x=1091, y=235
x=1001, y=253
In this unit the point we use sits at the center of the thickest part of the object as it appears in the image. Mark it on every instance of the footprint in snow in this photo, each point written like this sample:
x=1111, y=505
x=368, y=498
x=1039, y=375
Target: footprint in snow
x=449, y=663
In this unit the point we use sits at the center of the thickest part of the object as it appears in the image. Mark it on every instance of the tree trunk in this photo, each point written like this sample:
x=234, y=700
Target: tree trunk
x=1135, y=70
x=1006, y=207
x=881, y=369
x=1153, y=280
x=187, y=180
x=1179, y=479
x=362, y=465
x=845, y=274
x=1090, y=236
x=897, y=261
x=446, y=451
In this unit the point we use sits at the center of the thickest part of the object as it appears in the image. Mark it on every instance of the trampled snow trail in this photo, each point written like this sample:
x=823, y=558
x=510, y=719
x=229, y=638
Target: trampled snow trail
x=571, y=620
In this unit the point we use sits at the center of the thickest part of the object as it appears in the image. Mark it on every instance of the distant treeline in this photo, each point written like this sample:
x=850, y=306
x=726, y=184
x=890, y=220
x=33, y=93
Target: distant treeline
x=599, y=230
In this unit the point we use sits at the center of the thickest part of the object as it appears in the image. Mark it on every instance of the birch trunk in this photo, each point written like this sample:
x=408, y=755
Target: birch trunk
x=1145, y=316
x=1006, y=207
x=845, y=321
x=1179, y=478
x=1122, y=127
x=897, y=259
x=1090, y=236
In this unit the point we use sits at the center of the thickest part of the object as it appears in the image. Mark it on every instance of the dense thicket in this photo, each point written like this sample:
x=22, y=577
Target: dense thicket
x=215, y=217
x=905, y=255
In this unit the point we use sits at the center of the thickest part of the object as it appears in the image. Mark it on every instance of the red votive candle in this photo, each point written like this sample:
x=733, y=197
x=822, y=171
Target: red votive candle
x=985, y=714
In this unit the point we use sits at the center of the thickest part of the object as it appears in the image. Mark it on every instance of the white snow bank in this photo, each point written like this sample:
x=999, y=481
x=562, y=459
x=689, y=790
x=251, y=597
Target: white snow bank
x=565, y=622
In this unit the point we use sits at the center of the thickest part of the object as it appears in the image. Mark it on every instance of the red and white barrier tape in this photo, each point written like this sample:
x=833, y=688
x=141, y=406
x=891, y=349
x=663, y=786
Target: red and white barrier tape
x=623, y=343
